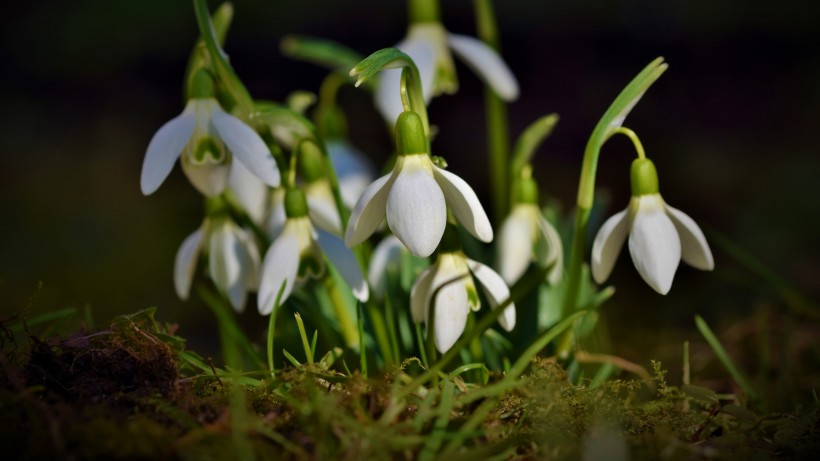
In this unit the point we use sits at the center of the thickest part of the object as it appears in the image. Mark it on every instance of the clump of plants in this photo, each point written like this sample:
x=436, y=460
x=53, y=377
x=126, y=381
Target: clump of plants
x=407, y=296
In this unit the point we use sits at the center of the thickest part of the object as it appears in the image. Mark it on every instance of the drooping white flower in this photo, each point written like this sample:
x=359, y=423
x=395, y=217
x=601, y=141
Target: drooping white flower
x=429, y=45
x=659, y=235
x=297, y=254
x=207, y=138
x=448, y=290
x=415, y=196
x=526, y=236
x=233, y=260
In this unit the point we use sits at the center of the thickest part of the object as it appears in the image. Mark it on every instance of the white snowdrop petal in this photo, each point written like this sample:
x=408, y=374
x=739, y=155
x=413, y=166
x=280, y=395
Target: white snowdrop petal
x=514, y=245
x=486, y=63
x=209, y=178
x=695, y=250
x=345, y=262
x=251, y=259
x=322, y=208
x=464, y=204
x=164, y=149
x=420, y=294
x=225, y=263
x=496, y=291
x=369, y=211
x=451, y=308
x=249, y=190
x=551, y=250
x=655, y=248
x=276, y=215
x=608, y=243
x=247, y=146
x=185, y=264
x=416, y=209
x=281, y=264
x=386, y=257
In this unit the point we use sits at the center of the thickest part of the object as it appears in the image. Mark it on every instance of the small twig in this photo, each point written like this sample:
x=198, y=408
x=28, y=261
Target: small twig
x=620, y=362
x=715, y=410
x=213, y=368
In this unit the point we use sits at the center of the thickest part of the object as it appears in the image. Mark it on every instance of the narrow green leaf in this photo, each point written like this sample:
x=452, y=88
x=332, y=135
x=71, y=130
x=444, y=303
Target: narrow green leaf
x=529, y=141
x=325, y=53
x=721, y=354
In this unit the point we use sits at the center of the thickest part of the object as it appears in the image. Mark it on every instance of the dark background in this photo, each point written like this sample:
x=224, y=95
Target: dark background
x=732, y=127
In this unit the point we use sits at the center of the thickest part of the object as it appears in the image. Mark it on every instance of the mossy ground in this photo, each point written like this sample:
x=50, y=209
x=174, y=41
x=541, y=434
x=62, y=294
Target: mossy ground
x=132, y=391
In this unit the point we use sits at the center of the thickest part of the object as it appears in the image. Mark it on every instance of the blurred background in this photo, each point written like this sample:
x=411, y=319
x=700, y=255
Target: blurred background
x=732, y=127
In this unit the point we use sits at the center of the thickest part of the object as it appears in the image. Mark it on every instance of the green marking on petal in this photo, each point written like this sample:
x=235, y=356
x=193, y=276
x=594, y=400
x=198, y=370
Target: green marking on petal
x=472, y=294
x=207, y=150
x=310, y=266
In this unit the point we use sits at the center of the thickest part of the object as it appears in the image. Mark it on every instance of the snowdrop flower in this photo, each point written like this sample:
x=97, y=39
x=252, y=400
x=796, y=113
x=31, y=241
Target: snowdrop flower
x=429, y=45
x=233, y=260
x=414, y=197
x=659, y=235
x=526, y=236
x=448, y=289
x=296, y=255
x=205, y=138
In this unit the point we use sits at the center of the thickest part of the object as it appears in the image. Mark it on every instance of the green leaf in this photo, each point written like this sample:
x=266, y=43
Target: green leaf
x=529, y=141
x=221, y=19
x=700, y=393
x=326, y=53
x=723, y=356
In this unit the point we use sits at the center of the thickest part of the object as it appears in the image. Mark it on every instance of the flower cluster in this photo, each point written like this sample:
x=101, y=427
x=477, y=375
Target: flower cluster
x=276, y=233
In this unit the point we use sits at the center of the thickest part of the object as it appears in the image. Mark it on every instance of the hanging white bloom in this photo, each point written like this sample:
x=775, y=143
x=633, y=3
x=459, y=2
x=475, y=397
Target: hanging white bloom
x=526, y=236
x=415, y=196
x=207, y=138
x=659, y=235
x=448, y=290
x=297, y=254
x=233, y=260
x=429, y=45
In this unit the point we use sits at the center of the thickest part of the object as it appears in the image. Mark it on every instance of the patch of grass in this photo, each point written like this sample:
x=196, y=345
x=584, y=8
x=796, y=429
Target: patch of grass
x=132, y=391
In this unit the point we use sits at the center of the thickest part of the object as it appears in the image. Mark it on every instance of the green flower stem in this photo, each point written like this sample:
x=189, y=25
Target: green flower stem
x=605, y=128
x=271, y=330
x=346, y=324
x=635, y=140
x=233, y=86
x=423, y=10
x=496, y=115
x=393, y=58
x=380, y=330
x=362, y=346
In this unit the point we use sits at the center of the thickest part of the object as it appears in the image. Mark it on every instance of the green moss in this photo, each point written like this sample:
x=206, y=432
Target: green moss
x=132, y=391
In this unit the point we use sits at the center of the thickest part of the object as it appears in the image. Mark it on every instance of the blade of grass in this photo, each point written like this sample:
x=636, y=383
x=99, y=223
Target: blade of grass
x=721, y=354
